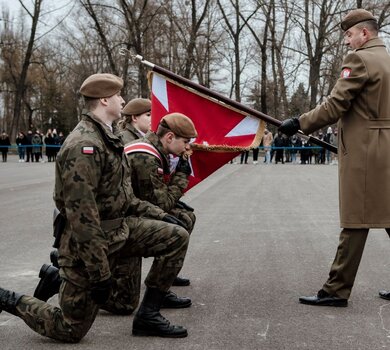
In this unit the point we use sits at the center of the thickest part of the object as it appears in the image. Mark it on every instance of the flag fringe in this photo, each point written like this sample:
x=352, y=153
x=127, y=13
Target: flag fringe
x=216, y=148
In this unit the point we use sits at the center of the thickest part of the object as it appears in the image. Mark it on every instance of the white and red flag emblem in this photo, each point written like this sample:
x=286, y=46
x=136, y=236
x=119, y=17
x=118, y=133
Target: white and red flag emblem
x=223, y=132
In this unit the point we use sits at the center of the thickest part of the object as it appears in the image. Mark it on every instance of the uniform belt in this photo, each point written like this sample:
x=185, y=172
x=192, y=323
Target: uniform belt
x=379, y=124
x=113, y=224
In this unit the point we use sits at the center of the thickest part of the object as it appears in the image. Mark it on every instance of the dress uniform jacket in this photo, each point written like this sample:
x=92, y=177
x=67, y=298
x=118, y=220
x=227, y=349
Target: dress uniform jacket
x=360, y=102
x=93, y=191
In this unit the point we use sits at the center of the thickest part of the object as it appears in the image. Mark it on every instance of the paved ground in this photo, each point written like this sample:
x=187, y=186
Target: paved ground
x=265, y=235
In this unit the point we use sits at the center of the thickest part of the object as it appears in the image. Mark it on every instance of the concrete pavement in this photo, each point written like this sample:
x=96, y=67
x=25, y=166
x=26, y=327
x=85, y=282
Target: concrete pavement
x=265, y=235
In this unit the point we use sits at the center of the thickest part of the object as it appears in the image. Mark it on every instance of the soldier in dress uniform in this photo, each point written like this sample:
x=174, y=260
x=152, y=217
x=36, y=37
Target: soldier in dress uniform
x=360, y=103
x=103, y=220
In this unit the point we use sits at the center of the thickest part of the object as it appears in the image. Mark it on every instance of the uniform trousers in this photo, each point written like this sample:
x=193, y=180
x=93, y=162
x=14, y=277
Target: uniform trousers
x=71, y=321
x=346, y=263
x=127, y=274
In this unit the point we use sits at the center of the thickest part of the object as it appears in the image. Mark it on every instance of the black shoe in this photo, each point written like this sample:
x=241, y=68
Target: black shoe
x=181, y=282
x=49, y=284
x=384, y=294
x=54, y=258
x=324, y=299
x=172, y=301
x=149, y=322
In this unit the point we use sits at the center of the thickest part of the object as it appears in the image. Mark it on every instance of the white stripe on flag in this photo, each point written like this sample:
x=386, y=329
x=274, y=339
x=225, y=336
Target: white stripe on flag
x=248, y=126
x=159, y=89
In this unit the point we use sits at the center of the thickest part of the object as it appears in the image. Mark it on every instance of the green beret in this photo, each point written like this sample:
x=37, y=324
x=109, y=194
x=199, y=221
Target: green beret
x=180, y=125
x=137, y=106
x=356, y=16
x=101, y=85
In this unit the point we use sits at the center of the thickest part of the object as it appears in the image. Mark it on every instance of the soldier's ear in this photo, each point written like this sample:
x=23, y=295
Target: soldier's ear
x=103, y=101
x=170, y=136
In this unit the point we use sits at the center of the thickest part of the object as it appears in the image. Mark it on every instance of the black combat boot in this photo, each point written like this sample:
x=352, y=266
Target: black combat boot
x=172, y=301
x=149, y=322
x=9, y=300
x=54, y=258
x=181, y=282
x=49, y=284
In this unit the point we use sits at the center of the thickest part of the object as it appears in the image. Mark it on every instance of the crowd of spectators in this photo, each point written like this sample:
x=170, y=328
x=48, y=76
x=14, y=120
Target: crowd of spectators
x=294, y=149
x=33, y=146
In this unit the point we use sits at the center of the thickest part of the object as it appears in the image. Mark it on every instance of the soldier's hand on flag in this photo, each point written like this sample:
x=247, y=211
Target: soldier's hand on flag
x=290, y=126
x=183, y=166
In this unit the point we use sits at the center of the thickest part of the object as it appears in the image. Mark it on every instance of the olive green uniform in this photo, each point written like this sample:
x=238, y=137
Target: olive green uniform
x=93, y=191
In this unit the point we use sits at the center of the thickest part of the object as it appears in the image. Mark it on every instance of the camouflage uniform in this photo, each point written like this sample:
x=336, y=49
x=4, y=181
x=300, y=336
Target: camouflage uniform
x=153, y=181
x=93, y=190
x=127, y=271
x=150, y=185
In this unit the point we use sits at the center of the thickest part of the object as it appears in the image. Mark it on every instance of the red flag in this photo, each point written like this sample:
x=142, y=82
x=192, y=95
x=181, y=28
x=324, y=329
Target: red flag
x=222, y=131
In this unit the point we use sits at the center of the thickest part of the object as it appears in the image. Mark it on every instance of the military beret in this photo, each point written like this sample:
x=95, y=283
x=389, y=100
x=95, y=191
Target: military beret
x=179, y=124
x=356, y=16
x=101, y=85
x=137, y=106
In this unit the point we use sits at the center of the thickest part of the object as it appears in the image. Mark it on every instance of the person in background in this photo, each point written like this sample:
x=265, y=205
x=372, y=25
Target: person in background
x=21, y=142
x=5, y=144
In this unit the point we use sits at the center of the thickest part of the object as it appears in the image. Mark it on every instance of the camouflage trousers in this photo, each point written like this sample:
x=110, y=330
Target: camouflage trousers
x=127, y=274
x=76, y=313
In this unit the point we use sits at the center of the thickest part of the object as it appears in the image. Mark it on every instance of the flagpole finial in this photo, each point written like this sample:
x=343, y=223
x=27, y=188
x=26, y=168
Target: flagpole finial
x=134, y=57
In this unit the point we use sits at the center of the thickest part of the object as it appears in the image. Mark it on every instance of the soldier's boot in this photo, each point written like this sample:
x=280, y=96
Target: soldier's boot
x=9, y=300
x=181, y=282
x=149, y=322
x=172, y=301
x=49, y=284
x=54, y=258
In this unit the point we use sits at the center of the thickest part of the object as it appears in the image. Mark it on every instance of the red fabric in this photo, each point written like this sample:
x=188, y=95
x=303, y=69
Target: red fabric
x=213, y=123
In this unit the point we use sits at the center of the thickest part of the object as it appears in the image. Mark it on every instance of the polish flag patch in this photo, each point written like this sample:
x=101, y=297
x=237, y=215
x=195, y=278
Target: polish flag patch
x=346, y=72
x=87, y=150
x=160, y=171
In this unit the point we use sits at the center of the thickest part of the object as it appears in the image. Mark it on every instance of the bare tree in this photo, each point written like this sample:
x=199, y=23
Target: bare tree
x=21, y=81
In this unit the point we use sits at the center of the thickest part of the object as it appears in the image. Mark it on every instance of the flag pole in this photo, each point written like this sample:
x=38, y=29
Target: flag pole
x=224, y=99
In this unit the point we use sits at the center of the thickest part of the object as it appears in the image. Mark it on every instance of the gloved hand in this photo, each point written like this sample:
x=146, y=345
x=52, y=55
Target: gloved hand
x=101, y=291
x=182, y=205
x=290, y=126
x=173, y=220
x=183, y=166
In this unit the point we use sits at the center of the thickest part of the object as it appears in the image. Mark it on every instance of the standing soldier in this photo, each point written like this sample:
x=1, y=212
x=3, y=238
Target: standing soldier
x=102, y=220
x=360, y=103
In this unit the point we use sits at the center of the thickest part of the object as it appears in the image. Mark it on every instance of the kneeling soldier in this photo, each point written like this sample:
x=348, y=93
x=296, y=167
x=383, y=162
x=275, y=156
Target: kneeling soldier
x=103, y=220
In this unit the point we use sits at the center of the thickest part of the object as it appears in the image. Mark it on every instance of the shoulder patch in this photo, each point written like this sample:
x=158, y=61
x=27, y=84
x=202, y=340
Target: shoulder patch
x=346, y=72
x=88, y=150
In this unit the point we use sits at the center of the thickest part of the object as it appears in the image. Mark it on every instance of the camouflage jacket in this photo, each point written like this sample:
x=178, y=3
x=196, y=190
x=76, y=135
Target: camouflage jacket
x=93, y=188
x=130, y=133
x=151, y=177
